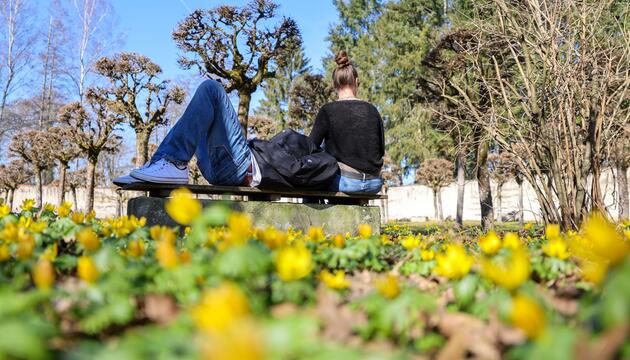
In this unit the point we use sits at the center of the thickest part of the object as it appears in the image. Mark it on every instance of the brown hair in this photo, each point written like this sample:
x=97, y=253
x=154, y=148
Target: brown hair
x=345, y=74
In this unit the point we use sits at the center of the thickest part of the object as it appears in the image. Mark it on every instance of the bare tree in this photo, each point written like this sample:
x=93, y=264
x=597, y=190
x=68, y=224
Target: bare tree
x=501, y=173
x=621, y=160
x=12, y=176
x=76, y=180
x=64, y=150
x=262, y=127
x=139, y=95
x=34, y=148
x=93, y=128
x=17, y=38
x=235, y=46
x=436, y=174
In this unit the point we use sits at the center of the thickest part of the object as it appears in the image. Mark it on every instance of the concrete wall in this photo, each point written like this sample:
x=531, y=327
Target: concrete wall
x=413, y=202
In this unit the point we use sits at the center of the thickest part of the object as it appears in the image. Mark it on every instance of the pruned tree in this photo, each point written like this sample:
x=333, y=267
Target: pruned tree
x=501, y=173
x=308, y=94
x=139, y=95
x=94, y=131
x=33, y=147
x=262, y=127
x=76, y=180
x=235, y=45
x=64, y=150
x=436, y=174
x=13, y=175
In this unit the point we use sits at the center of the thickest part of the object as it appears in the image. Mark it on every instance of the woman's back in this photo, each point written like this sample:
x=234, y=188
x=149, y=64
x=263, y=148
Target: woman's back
x=352, y=131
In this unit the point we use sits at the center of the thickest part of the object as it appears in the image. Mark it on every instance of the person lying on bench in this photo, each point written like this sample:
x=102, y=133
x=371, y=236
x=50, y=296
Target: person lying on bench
x=349, y=129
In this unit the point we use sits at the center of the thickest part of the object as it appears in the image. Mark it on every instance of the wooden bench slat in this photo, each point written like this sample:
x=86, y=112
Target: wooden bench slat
x=241, y=190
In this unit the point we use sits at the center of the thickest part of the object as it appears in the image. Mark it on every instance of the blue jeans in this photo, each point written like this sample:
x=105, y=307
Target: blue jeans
x=349, y=185
x=209, y=129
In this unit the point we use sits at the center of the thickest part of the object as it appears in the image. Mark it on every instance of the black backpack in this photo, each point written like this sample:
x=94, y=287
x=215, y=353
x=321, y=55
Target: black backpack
x=292, y=160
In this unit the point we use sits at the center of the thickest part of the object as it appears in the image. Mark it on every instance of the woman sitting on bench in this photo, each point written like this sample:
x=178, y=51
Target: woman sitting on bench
x=349, y=129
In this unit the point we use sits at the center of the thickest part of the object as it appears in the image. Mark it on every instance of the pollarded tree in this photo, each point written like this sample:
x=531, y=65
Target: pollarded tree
x=94, y=127
x=64, y=150
x=502, y=171
x=75, y=180
x=12, y=176
x=139, y=95
x=263, y=127
x=436, y=174
x=33, y=147
x=235, y=45
x=308, y=94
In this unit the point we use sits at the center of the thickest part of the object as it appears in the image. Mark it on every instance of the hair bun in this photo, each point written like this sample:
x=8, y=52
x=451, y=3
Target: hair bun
x=342, y=59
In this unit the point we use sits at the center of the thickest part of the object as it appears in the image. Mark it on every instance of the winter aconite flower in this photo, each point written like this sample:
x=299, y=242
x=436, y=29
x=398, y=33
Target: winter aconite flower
x=509, y=272
x=427, y=255
x=28, y=204
x=240, y=229
x=336, y=281
x=365, y=231
x=162, y=233
x=220, y=307
x=5, y=210
x=316, y=234
x=182, y=207
x=88, y=239
x=64, y=209
x=135, y=248
x=293, y=263
x=490, y=243
x=339, y=240
x=43, y=274
x=86, y=269
x=527, y=315
x=166, y=254
x=410, y=242
x=271, y=237
x=512, y=241
x=557, y=248
x=388, y=286
x=606, y=242
x=454, y=263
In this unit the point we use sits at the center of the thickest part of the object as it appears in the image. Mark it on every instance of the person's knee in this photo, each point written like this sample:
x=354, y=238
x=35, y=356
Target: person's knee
x=211, y=85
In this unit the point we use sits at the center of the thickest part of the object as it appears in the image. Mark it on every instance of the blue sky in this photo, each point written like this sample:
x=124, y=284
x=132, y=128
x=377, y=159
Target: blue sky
x=147, y=26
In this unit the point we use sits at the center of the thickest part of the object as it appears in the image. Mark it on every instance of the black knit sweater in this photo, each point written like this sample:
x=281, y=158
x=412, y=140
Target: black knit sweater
x=352, y=132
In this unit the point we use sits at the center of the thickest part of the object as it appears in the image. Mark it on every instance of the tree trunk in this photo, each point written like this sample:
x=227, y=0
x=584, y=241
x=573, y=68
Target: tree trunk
x=244, y=99
x=461, y=186
x=74, y=199
x=10, y=197
x=91, y=174
x=62, y=184
x=119, y=202
x=499, y=202
x=622, y=190
x=38, y=188
x=142, y=146
x=440, y=214
x=483, y=182
x=436, y=210
x=521, y=216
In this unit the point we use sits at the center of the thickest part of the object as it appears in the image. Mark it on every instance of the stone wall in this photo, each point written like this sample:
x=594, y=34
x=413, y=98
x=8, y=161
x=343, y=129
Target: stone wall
x=413, y=202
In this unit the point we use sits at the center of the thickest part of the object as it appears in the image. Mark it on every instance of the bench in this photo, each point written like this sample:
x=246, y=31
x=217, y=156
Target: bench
x=335, y=211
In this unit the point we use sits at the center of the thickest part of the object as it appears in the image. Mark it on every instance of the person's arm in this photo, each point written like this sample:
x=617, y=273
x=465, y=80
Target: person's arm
x=320, y=127
x=380, y=123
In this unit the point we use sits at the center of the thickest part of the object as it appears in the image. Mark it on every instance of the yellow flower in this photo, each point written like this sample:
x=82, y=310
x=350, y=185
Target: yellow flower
x=365, y=231
x=162, y=233
x=64, y=209
x=490, y=244
x=528, y=226
x=606, y=242
x=271, y=237
x=386, y=240
x=388, y=286
x=454, y=263
x=4, y=210
x=239, y=341
x=166, y=253
x=50, y=253
x=77, y=217
x=337, y=281
x=293, y=263
x=556, y=247
x=410, y=242
x=427, y=255
x=512, y=241
x=528, y=315
x=508, y=272
x=49, y=207
x=88, y=239
x=37, y=226
x=316, y=234
x=552, y=231
x=182, y=207
x=26, y=245
x=240, y=229
x=28, y=204
x=43, y=274
x=5, y=253
x=338, y=240
x=86, y=269
x=90, y=216
x=220, y=307
x=135, y=248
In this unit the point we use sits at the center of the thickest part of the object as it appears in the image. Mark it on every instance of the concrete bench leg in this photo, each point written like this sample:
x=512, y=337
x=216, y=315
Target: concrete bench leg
x=333, y=218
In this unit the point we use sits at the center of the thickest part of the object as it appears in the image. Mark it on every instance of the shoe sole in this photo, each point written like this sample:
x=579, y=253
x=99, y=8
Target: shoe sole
x=160, y=180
